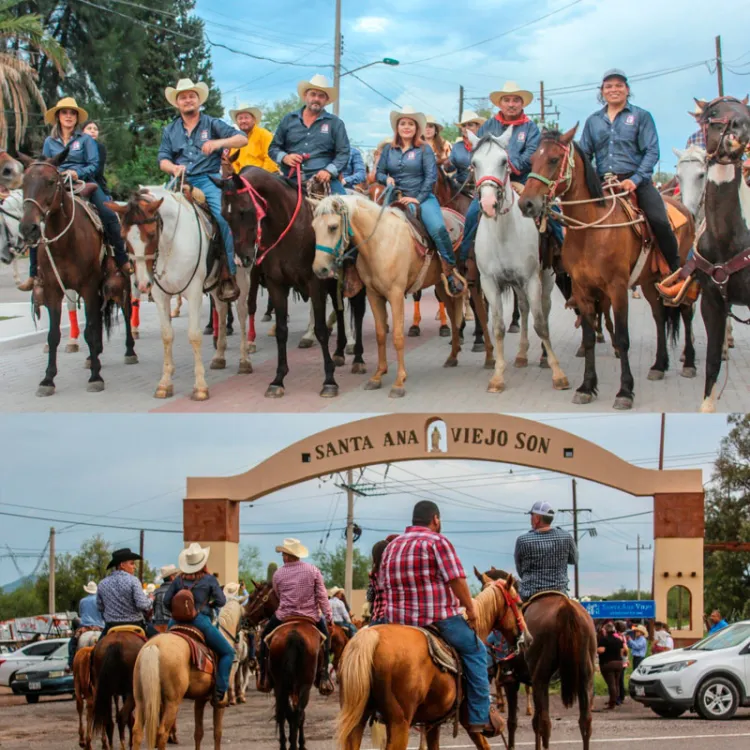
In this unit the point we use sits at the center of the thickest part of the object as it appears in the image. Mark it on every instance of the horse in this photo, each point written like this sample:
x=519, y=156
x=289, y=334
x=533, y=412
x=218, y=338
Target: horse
x=84, y=696
x=507, y=255
x=240, y=675
x=11, y=172
x=339, y=640
x=600, y=252
x=70, y=260
x=272, y=225
x=168, y=240
x=164, y=676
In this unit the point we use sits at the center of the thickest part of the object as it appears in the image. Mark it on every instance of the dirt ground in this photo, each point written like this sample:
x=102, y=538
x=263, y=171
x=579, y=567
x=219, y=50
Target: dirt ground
x=52, y=723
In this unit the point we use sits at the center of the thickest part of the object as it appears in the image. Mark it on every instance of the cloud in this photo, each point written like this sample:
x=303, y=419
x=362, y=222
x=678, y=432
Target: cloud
x=371, y=24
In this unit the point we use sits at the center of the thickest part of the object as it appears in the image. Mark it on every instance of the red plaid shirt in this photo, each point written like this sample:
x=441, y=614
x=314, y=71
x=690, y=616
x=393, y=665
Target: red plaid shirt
x=301, y=591
x=415, y=572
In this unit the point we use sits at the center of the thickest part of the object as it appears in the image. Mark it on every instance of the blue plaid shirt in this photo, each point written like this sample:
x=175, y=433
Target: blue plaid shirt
x=542, y=559
x=120, y=598
x=697, y=139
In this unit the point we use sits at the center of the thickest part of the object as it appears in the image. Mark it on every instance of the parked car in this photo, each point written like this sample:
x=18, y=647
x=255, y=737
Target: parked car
x=26, y=656
x=711, y=677
x=50, y=676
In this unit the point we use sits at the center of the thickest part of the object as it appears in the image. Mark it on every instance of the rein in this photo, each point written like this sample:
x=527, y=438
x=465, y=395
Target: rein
x=500, y=188
x=725, y=121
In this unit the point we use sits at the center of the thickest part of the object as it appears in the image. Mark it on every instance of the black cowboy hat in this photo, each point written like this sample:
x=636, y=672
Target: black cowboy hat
x=122, y=555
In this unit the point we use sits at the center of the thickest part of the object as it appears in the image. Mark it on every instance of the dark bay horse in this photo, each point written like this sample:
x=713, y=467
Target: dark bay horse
x=282, y=243
x=70, y=258
x=600, y=252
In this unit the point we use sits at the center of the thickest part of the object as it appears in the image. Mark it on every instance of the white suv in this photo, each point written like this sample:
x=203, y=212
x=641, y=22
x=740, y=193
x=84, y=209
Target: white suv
x=711, y=677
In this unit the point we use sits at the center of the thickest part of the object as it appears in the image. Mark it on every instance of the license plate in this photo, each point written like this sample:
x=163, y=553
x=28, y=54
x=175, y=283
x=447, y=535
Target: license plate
x=639, y=690
x=35, y=686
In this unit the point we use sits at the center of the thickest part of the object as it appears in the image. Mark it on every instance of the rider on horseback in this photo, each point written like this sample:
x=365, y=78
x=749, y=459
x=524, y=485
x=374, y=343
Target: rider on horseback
x=461, y=151
x=81, y=163
x=161, y=613
x=191, y=147
x=543, y=554
x=341, y=616
x=90, y=618
x=302, y=593
x=425, y=585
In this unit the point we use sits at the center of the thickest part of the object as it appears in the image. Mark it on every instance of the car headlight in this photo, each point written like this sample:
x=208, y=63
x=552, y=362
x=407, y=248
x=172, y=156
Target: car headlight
x=678, y=666
x=21, y=676
x=57, y=673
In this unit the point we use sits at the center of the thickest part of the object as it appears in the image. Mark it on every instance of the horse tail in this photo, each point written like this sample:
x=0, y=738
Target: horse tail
x=113, y=663
x=355, y=681
x=109, y=308
x=292, y=666
x=672, y=317
x=147, y=690
x=570, y=653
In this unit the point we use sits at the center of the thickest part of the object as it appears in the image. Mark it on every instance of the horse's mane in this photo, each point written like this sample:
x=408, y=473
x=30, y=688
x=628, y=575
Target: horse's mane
x=486, y=607
x=591, y=178
x=693, y=152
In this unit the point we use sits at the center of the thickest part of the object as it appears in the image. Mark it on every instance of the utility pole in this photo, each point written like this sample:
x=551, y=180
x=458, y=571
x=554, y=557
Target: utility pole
x=638, y=549
x=140, y=552
x=719, y=66
x=349, y=574
x=541, y=99
x=661, y=441
x=337, y=59
x=575, y=510
x=51, y=595
x=460, y=103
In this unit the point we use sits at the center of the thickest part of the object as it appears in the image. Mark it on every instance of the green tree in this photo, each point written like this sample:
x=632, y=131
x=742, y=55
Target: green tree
x=333, y=567
x=451, y=133
x=251, y=566
x=23, y=602
x=274, y=112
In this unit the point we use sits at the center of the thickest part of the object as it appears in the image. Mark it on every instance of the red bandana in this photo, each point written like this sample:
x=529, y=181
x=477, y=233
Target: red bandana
x=520, y=121
x=467, y=143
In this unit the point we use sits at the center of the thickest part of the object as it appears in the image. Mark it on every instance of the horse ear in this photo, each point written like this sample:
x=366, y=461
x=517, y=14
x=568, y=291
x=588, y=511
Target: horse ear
x=56, y=161
x=232, y=158
x=678, y=152
x=27, y=161
x=473, y=138
x=701, y=103
x=118, y=208
x=237, y=181
x=153, y=206
x=510, y=582
x=746, y=99
x=504, y=140
x=567, y=138
x=478, y=575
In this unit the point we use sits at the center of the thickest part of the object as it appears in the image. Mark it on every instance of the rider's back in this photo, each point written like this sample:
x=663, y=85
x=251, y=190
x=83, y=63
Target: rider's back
x=299, y=586
x=542, y=559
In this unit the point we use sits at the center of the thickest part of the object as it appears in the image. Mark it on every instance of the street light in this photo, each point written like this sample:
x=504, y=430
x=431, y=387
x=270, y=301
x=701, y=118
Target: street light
x=338, y=75
x=384, y=61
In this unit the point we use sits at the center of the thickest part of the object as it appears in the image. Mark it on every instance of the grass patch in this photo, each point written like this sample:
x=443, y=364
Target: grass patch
x=600, y=685
x=8, y=317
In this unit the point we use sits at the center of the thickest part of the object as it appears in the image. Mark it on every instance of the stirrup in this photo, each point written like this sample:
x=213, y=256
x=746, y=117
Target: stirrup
x=674, y=289
x=235, y=290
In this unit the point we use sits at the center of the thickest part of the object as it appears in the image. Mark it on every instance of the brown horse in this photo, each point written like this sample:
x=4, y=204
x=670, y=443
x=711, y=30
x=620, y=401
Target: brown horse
x=387, y=671
x=600, y=252
x=339, y=639
x=70, y=258
x=84, y=695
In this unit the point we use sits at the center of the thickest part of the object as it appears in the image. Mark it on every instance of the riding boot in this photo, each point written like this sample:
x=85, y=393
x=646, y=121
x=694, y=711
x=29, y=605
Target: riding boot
x=263, y=683
x=454, y=282
x=28, y=285
x=325, y=687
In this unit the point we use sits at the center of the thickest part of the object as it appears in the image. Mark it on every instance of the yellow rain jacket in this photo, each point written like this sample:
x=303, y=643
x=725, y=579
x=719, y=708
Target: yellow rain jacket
x=255, y=154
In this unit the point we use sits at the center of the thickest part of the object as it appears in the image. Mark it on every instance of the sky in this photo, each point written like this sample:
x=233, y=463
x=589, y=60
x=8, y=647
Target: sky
x=130, y=471
x=574, y=45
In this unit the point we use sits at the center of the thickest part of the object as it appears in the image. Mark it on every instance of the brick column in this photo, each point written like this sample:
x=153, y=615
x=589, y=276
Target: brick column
x=215, y=524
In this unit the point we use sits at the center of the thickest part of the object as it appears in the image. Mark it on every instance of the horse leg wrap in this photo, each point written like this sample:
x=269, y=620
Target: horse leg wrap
x=75, y=331
x=443, y=316
x=251, y=329
x=417, y=314
x=215, y=322
x=135, y=314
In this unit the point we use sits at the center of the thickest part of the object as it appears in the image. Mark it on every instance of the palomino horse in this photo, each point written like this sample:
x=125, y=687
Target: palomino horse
x=168, y=241
x=507, y=253
x=11, y=172
x=387, y=671
x=69, y=259
x=243, y=666
x=164, y=676
x=601, y=252
x=389, y=266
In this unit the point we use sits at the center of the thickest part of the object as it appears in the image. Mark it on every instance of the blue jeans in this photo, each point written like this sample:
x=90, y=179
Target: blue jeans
x=213, y=200
x=432, y=218
x=336, y=187
x=470, y=230
x=111, y=225
x=456, y=631
x=349, y=627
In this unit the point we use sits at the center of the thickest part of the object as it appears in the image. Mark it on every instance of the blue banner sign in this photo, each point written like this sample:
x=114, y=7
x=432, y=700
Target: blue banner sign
x=645, y=609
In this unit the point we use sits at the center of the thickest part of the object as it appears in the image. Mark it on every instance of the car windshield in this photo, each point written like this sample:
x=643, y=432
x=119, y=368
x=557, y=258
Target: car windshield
x=734, y=635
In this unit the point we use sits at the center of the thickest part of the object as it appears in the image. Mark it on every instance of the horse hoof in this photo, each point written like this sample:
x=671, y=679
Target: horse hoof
x=688, y=372
x=451, y=362
x=245, y=368
x=655, y=375
x=266, y=318
x=521, y=362
x=274, y=391
x=513, y=328
x=414, y=331
x=338, y=360
x=136, y=334
x=445, y=331
x=730, y=342
x=45, y=390
x=583, y=398
x=72, y=348
x=95, y=386
x=349, y=349
x=329, y=391
x=199, y=394
x=397, y=392
x=218, y=363
x=581, y=351
x=623, y=403
x=305, y=344
x=131, y=359
x=164, y=391
x=544, y=363
x=682, y=357
x=373, y=385
x=358, y=368
x=724, y=357
x=46, y=349
x=251, y=348
x=477, y=347
x=599, y=338
x=489, y=364
x=560, y=384
x=495, y=387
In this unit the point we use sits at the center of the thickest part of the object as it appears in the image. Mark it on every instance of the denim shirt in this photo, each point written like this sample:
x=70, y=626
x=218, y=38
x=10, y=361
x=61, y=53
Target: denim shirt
x=355, y=172
x=523, y=143
x=414, y=170
x=83, y=154
x=461, y=160
x=629, y=145
x=325, y=141
x=180, y=148
x=206, y=592
x=89, y=612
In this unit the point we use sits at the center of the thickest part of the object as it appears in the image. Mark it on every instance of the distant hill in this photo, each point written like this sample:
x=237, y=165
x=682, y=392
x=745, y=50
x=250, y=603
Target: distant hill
x=9, y=588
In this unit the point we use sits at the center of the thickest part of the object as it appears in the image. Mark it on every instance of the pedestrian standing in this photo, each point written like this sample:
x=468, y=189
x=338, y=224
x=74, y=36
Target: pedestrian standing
x=620, y=632
x=610, y=650
x=662, y=639
x=638, y=645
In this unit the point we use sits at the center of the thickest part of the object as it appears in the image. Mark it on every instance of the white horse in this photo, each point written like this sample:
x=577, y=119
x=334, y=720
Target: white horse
x=507, y=253
x=168, y=242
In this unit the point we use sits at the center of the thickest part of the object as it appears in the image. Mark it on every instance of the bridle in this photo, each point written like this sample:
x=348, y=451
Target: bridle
x=55, y=204
x=726, y=121
x=501, y=190
x=565, y=174
x=256, y=605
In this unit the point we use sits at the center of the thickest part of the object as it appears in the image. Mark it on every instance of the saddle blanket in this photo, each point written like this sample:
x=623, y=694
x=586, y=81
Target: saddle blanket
x=442, y=655
x=454, y=223
x=676, y=218
x=201, y=657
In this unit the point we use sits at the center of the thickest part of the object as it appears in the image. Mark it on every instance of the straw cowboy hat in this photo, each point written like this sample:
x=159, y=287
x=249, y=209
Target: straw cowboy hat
x=254, y=111
x=67, y=102
x=641, y=629
x=183, y=85
x=90, y=587
x=470, y=116
x=411, y=114
x=231, y=589
x=319, y=83
x=194, y=558
x=511, y=88
x=335, y=590
x=168, y=570
x=293, y=547
x=122, y=555
x=150, y=588
x=432, y=120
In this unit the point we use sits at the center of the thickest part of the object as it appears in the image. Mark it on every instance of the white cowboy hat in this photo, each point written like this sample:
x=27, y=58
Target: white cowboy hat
x=333, y=591
x=254, y=111
x=168, y=570
x=194, y=558
x=67, y=102
x=231, y=589
x=90, y=587
x=293, y=547
x=511, y=88
x=411, y=114
x=319, y=83
x=150, y=588
x=471, y=116
x=432, y=120
x=185, y=84
x=641, y=629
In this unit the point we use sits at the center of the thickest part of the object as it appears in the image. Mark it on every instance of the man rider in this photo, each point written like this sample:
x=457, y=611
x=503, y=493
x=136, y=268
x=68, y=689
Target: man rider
x=191, y=146
x=161, y=614
x=341, y=616
x=698, y=138
x=89, y=618
x=255, y=154
x=543, y=554
x=424, y=584
x=355, y=172
x=302, y=593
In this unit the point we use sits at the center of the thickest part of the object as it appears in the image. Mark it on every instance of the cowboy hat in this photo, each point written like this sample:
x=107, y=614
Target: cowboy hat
x=193, y=559
x=90, y=587
x=319, y=83
x=432, y=120
x=254, y=111
x=641, y=629
x=411, y=114
x=335, y=590
x=697, y=112
x=293, y=547
x=150, y=588
x=122, y=555
x=511, y=88
x=67, y=102
x=185, y=84
x=470, y=116
x=231, y=589
x=168, y=570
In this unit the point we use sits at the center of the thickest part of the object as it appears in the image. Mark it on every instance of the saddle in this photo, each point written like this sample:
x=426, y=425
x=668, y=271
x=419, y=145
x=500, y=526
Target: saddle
x=541, y=595
x=201, y=656
x=87, y=629
x=292, y=621
x=134, y=629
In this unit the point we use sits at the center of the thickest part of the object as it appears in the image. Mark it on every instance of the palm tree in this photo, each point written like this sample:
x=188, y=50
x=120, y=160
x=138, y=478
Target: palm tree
x=21, y=38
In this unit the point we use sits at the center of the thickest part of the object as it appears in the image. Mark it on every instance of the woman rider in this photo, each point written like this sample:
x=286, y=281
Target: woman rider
x=81, y=163
x=433, y=137
x=207, y=593
x=461, y=151
x=92, y=128
x=408, y=164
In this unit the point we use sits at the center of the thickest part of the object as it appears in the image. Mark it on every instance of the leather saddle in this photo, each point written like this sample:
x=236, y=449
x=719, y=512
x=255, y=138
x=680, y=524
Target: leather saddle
x=134, y=629
x=201, y=657
x=541, y=595
x=423, y=243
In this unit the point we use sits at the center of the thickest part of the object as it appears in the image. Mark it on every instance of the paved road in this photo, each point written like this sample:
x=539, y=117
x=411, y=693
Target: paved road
x=529, y=390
